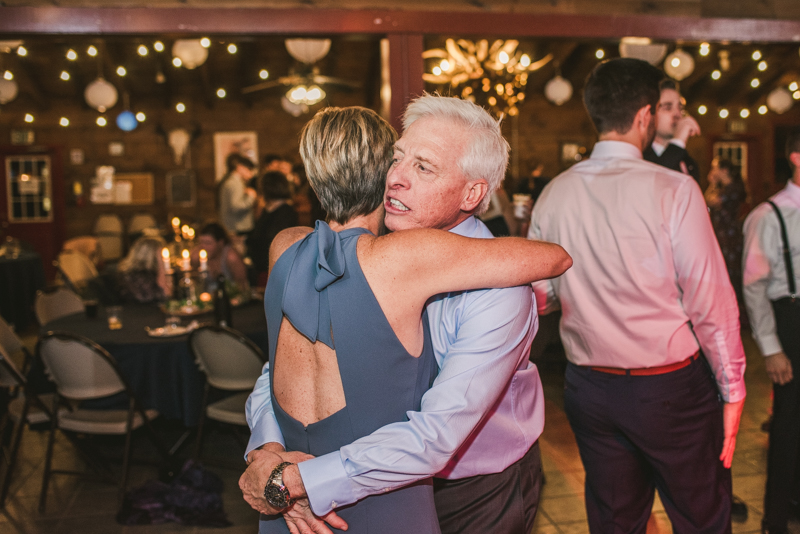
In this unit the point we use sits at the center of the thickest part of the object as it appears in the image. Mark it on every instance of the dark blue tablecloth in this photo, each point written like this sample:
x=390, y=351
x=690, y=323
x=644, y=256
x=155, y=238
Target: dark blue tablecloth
x=20, y=278
x=160, y=371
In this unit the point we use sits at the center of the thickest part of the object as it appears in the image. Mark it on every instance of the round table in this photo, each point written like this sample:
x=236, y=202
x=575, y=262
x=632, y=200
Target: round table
x=160, y=370
x=20, y=278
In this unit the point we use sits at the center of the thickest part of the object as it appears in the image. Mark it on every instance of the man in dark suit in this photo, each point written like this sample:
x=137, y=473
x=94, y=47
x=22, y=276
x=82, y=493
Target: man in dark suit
x=673, y=129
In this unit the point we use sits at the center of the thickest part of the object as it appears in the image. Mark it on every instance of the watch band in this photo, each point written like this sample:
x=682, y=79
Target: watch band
x=275, y=492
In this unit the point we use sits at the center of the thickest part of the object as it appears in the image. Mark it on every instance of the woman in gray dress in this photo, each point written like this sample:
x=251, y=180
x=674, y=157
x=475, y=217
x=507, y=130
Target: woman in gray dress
x=350, y=349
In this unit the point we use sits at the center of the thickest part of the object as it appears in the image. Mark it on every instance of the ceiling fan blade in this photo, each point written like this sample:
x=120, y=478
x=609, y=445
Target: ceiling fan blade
x=283, y=80
x=320, y=79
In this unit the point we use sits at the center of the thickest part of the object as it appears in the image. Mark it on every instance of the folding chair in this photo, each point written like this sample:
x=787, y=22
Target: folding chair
x=52, y=305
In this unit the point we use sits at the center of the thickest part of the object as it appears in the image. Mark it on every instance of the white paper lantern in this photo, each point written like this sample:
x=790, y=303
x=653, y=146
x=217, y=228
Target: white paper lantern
x=558, y=90
x=308, y=50
x=191, y=53
x=679, y=65
x=8, y=90
x=100, y=95
x=780, y=100
x=642, y=48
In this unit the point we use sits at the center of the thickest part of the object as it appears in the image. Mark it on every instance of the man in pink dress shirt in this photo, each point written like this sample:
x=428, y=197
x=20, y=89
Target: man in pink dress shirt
x=654, y=386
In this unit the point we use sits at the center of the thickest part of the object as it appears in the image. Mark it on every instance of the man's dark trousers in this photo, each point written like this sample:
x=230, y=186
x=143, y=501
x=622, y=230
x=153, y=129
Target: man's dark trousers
x=500, y=503
x=639, y=433
x=784, y=433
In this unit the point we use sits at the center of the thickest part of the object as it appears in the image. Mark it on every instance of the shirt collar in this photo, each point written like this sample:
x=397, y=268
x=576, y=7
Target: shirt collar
x=466, y=228
x=793, y=189
x=658, y=148
x=615, y=149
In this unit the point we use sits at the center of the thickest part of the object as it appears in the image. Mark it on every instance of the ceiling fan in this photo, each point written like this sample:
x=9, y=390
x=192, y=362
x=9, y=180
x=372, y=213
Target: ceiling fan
x=304, y=81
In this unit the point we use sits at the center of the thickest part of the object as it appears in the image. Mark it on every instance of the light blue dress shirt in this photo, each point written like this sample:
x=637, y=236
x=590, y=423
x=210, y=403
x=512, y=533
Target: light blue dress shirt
x=483, y=413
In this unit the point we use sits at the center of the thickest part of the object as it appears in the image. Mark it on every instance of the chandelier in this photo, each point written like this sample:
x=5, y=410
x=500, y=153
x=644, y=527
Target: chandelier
x=491, y=76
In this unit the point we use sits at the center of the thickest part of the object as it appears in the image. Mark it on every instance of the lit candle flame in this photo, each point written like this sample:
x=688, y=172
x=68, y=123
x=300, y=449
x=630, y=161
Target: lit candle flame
x=185, y=254
x=203, y=255
x=176, y=222
x=165, y=253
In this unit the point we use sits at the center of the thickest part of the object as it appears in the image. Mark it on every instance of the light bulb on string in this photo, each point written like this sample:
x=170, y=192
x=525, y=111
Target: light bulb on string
x=101, y=121
x=72, y=55
x=141, y=117
x=232, y=48
x=121, y=71
x=263, y=74
x=221, y=92
x=702, y=110
x=158, y=46
x=793, y=86
x=756, y=55
x=142, y=50
x=716, y=75
x=723, y=113
x=755, y=82
x=28, y=118
x=744, y=113
x=762, y=109
x=180, y=107
x=177, y=61
x=436, y=70
x=762, y=66
x=63, y=121
x=600, y=54
x=8, y=75
x=525, y=60
x=92, y=51
x=22, y=51
x=705, y=48
x=502, y=57
x=64, y=75
x=205, y=42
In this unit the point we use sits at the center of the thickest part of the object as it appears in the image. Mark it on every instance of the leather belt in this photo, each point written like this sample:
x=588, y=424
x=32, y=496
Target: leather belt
x=649, y=371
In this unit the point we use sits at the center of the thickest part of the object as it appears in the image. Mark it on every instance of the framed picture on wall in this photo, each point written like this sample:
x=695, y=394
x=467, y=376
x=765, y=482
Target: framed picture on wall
x=181, y=188
x=227, y=143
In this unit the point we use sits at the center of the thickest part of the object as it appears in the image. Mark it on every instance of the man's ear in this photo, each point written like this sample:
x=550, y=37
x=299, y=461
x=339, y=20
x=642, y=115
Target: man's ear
x=475, y=192
x=643, y=118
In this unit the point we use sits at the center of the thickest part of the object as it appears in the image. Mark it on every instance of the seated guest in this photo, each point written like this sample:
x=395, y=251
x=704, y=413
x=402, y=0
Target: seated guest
x=276, y=215
x=222, y=257
x=141, y=272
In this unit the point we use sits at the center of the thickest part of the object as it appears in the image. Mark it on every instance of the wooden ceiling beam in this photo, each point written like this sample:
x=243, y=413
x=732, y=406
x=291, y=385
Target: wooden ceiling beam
x=27, y=20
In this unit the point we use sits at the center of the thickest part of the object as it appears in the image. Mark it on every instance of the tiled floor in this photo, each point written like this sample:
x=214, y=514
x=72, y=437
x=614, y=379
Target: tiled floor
x=80, y=506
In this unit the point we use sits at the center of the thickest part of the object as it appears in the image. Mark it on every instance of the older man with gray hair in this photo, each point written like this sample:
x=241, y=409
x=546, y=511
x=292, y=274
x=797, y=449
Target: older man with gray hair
x=478, y=426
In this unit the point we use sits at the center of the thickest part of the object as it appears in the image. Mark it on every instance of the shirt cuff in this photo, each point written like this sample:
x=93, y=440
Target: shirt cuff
x=326, y=482
x=769, y=345
x=736, y=392
x=259, y=436
x=678, y=142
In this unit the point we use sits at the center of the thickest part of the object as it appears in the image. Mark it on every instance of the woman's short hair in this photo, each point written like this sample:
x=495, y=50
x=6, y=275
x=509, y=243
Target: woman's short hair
x=617, y=89
x=486, y=157
x=144, y=255
x=275, y=186
x=216, y=231
x=347, y=153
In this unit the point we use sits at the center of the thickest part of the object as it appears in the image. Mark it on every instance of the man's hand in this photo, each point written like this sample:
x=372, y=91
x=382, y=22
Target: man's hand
x=260, y=466
x=687, y=127
x=301, y=520
x=731, y=414
x=779, y=368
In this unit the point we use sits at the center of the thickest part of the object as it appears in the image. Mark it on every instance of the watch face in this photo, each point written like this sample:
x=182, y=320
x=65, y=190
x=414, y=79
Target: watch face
x=276, y=496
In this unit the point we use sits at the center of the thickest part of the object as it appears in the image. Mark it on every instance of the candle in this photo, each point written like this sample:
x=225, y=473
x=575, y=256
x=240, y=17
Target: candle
x=203, y=260
x=176, y=222
x=185, y=263
x=185, y=231
x=165, y=259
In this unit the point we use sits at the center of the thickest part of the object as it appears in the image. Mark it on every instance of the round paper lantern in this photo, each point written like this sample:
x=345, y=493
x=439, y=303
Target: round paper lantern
x=8, y=90
x=308, y=50
x=126, y=121
x=191, y=53
x=100, y=95
x=780, y=100
x=558, y=90
x=642, y=48
x=679, y=65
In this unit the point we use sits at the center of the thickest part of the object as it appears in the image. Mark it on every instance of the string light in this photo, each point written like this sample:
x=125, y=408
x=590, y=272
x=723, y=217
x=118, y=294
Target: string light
x=8, y=75
x=92, y=51
x=796, y=95
x=525, y=60
x=141, y=117
x=205, y=42
x=793, y=86
x=716, y=75
x=723, y=113
x=600, y=54
x=755, y=82
x=180, y=107
x=762, y=66
x=28, y=118
x=263, y=74
x=177, y=61
x=64, y=75
x=158, y=46
x=436, y=71
x=702, y=110
x=121, y=71
x=762, y=109
x=705, y=48
x=744, y=113
x=22, y=51
x=64, y=122
x=72, y=55
x=232, y=48
x=221, y=92
x=444, y=65
x=142, y=50
x=101, y=121
x=502, y=57
x=756, y=55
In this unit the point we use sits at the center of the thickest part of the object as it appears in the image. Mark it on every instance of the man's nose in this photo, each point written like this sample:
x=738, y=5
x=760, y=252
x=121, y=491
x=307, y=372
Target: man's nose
x=397, y=177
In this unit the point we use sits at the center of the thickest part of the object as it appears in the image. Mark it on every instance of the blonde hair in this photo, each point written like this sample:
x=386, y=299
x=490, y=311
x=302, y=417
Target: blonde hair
x=144, y=255
x=347, y=153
